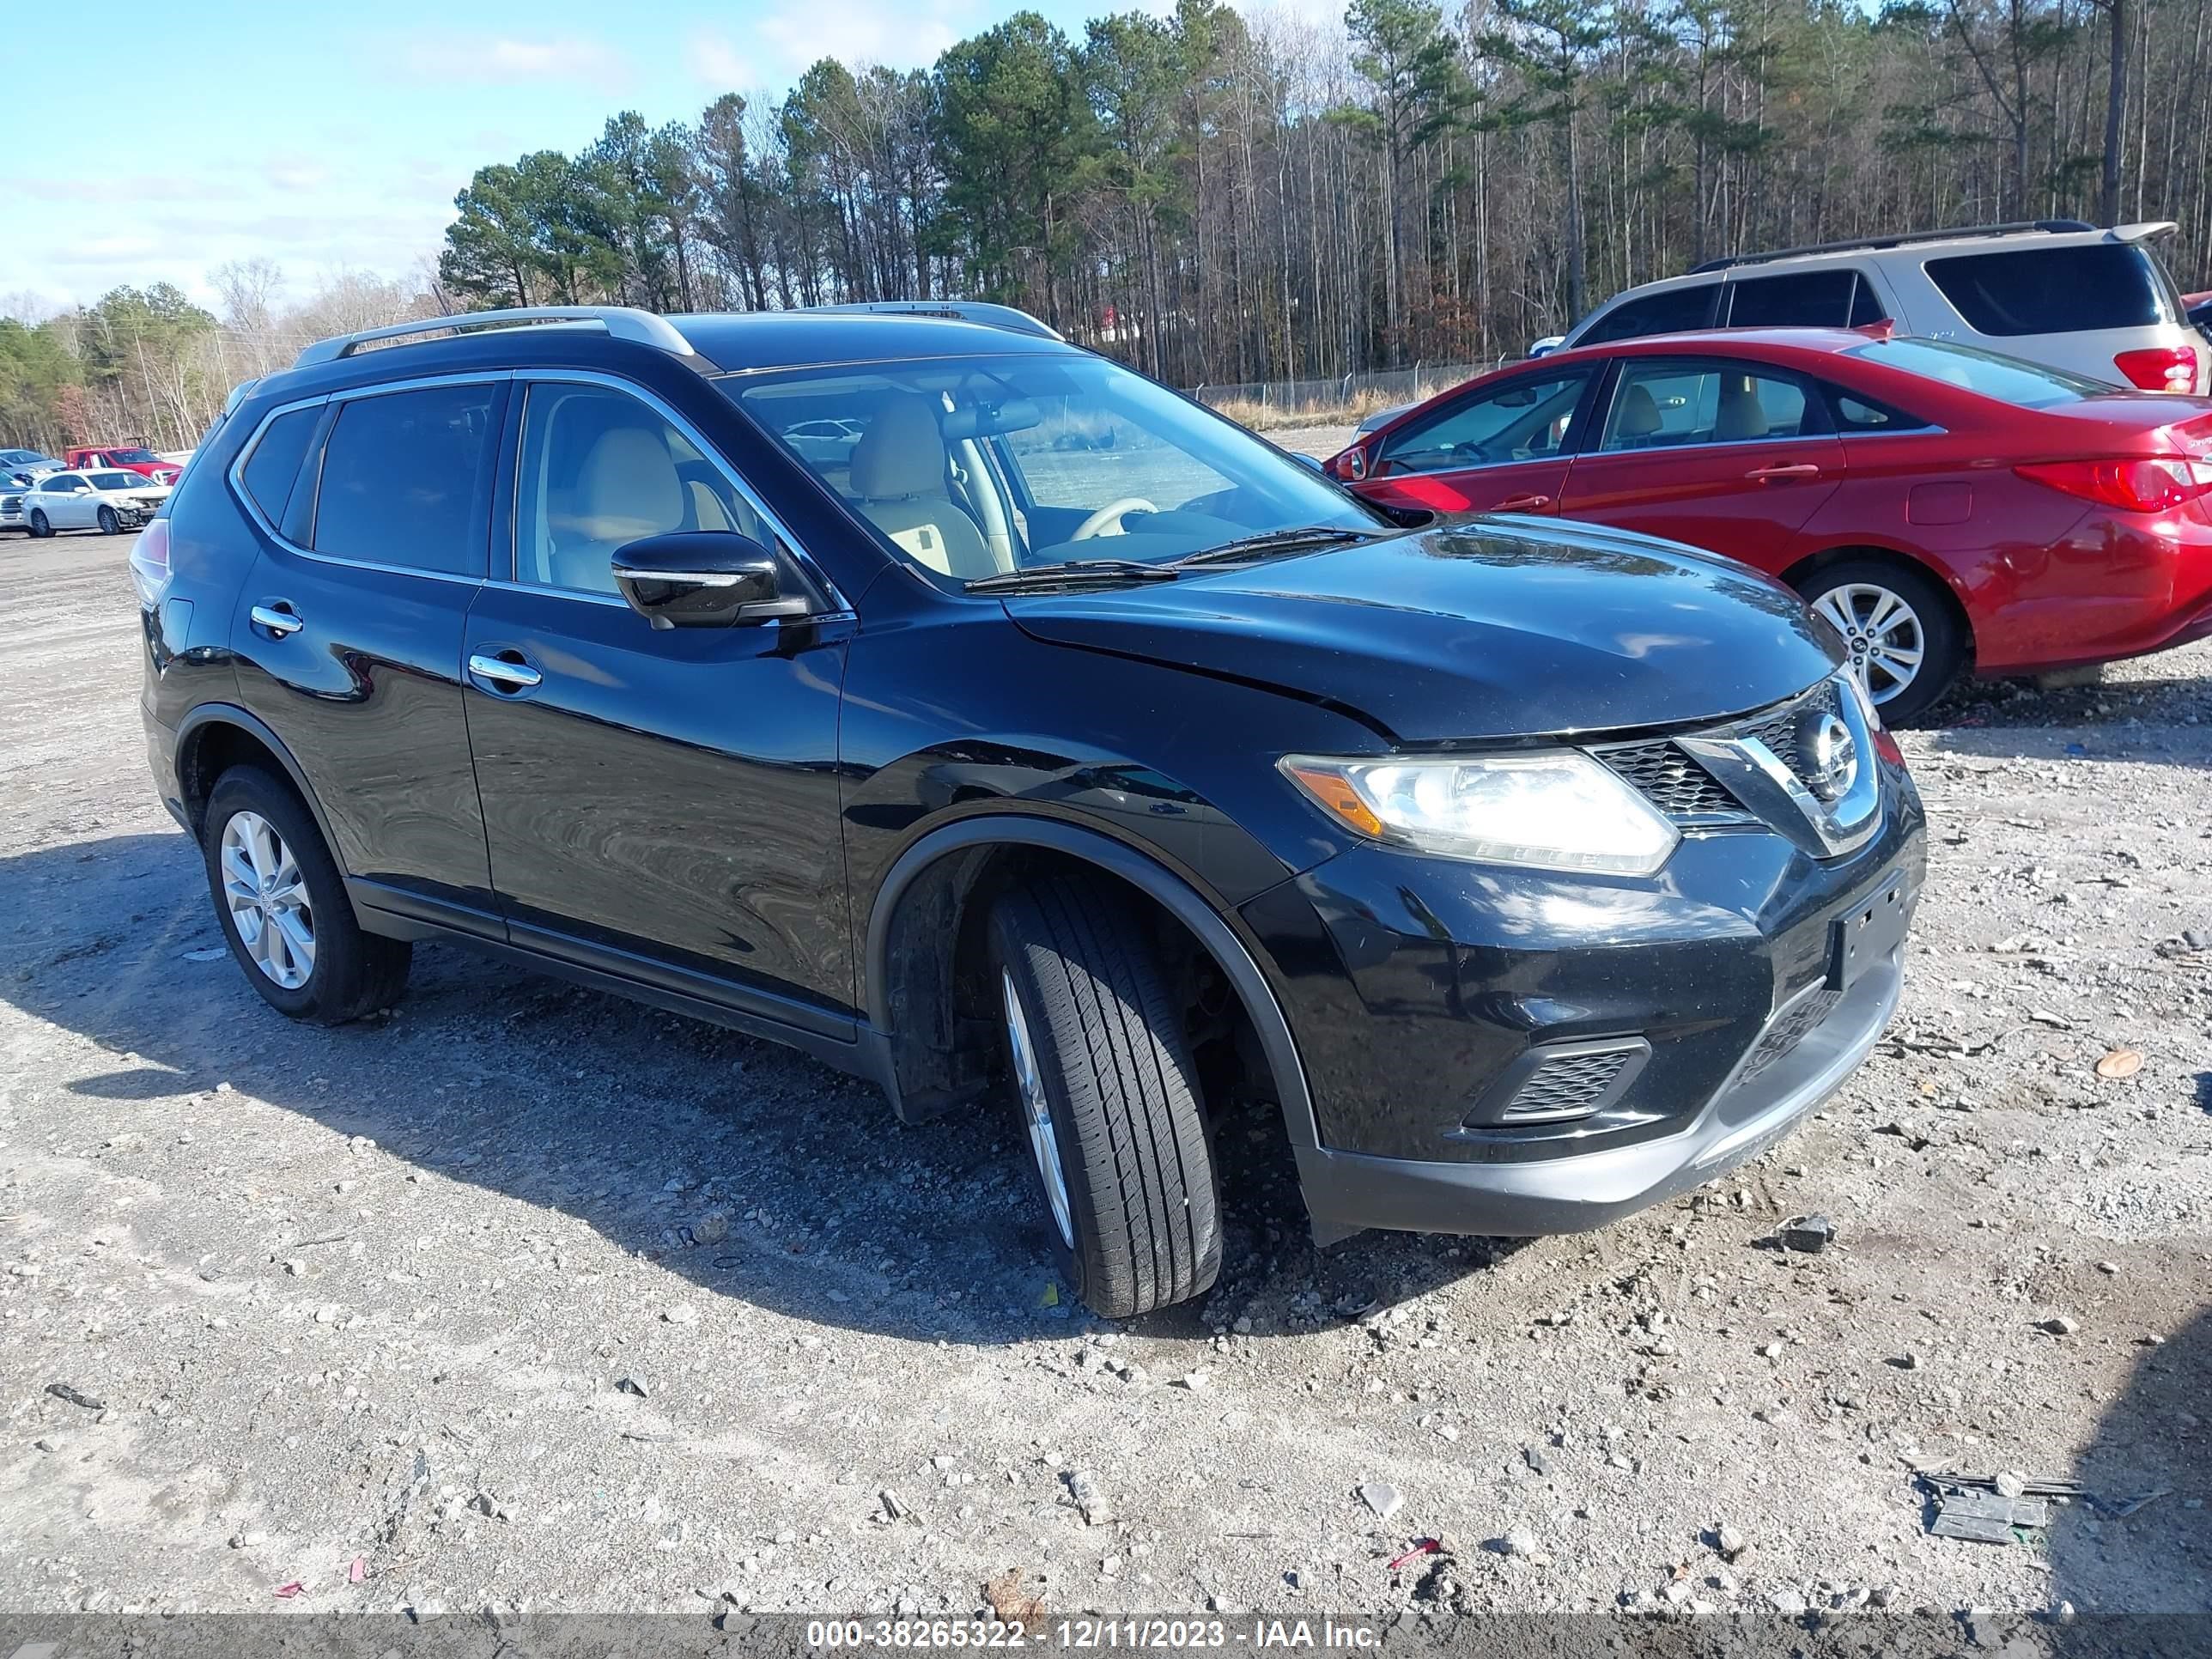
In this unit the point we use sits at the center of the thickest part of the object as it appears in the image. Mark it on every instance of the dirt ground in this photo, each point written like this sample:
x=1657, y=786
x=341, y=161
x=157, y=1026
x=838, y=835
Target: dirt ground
x=529, y=1297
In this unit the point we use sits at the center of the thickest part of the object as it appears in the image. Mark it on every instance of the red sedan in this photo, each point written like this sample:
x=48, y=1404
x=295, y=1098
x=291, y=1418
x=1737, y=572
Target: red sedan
x=131, y=458
x=1945, y=508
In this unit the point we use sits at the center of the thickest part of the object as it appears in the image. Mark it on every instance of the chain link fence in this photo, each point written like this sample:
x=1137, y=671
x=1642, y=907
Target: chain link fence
x=1291, y=402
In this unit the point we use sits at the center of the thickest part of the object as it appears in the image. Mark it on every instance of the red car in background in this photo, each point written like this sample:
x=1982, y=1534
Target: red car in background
x=1946, y=509
x=144, y=462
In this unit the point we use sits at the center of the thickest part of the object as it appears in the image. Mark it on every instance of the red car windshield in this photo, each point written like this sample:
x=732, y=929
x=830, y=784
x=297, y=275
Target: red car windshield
x=1986, y=374
x=134, y=458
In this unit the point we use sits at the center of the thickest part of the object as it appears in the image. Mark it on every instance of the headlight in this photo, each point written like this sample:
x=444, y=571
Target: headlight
x=1555, y=810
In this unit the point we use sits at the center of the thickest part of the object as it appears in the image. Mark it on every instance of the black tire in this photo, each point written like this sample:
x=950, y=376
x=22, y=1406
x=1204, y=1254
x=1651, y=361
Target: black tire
x=41, y=527
x=1943, y=643
x=1121, y=1092
x=354, y=973
x=109, y=524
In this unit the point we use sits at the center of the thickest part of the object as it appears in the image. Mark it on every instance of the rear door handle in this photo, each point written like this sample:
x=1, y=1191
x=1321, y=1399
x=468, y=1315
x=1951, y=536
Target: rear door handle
x=503, y=671
x=278, y=620
x=1800, y=469
x=1523, y=504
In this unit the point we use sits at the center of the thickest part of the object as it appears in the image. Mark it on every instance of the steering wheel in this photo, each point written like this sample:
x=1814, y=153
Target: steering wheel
x=1111, y=514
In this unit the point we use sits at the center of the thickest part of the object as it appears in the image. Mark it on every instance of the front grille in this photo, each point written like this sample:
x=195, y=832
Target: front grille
x=1788, y=1029
x=1567, y=1087
x=1779, y=730
x=1674, y=783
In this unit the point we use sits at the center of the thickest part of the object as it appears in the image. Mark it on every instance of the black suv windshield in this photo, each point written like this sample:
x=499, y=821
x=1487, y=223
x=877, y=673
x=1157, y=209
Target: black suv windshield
x=978, y=467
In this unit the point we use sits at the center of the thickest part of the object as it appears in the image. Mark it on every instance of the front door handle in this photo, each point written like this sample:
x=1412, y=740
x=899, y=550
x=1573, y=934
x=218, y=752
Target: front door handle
x=1523, y=504
x=1800, y=469
x=279, y=619
x=505, y=671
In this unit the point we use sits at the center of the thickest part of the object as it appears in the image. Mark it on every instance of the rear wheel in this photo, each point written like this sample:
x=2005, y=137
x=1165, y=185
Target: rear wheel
x=109, y=524
x=1107, y=1098
x=41, y=527
x=1904, y=645
x=284, y=908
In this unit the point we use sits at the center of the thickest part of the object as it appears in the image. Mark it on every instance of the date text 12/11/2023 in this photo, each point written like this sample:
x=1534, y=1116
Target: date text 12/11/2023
x=1090, y=1633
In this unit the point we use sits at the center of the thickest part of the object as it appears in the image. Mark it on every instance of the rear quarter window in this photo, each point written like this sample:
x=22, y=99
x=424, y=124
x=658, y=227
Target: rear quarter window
x=269, y=470
x=2054, y=290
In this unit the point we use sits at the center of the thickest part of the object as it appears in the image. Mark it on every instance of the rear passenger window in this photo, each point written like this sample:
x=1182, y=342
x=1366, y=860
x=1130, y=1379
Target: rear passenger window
x=1663, y=405
x=275, y=462
x=1670, y=311
x=1805, y=299
x=2053, y=290
x=406, y=479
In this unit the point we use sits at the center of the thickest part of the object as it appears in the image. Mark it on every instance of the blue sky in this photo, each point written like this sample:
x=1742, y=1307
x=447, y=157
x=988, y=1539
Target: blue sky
x=324, y=136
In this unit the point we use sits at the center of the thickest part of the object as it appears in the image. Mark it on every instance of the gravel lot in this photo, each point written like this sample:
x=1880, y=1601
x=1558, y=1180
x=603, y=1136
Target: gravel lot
x=526, y=1296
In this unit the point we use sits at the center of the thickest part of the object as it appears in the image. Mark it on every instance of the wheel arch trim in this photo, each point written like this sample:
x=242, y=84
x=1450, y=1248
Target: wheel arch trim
x=191, y=733
x=1177, y=895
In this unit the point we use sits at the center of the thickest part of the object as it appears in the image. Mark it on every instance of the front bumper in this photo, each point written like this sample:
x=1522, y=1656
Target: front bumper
x=1346, y=1192
x=1421, y=991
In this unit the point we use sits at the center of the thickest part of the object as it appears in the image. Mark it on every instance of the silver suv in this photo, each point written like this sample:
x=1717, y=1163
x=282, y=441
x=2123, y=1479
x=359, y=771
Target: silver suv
x=2055, y=291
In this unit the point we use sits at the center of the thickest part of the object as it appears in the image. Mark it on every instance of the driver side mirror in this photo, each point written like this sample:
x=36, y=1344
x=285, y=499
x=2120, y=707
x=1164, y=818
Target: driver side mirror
x=707, y=579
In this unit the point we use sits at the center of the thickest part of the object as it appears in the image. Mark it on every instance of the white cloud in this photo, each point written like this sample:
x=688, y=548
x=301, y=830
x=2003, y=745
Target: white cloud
x=505, y=60
x=296, y=175
x=902, y=33
x=716, y=62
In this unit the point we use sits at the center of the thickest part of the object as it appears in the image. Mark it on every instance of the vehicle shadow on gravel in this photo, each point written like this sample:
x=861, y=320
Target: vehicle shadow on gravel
x=2136, y=1542
x=751, y=1171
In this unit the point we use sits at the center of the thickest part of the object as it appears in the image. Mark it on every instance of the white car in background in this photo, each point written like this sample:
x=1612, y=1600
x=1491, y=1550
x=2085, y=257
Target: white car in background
x=107, y=501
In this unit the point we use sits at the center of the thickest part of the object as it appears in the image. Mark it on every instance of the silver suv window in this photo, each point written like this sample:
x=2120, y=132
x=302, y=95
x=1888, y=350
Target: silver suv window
x=2056, y=291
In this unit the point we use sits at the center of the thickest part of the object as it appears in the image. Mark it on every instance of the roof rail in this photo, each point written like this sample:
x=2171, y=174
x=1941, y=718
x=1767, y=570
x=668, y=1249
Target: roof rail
x=620, y=322
x=965, y=310
x=2019, y=228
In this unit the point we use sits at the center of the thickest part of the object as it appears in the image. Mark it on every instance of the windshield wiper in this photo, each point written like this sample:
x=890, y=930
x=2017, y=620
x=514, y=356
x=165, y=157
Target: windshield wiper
x=1068, y=571
x=1275, y=541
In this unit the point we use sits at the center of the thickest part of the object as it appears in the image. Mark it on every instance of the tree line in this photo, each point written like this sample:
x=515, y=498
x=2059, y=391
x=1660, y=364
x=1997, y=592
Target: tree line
x=1219, y=198
x=151, y=366
x=1223, y=198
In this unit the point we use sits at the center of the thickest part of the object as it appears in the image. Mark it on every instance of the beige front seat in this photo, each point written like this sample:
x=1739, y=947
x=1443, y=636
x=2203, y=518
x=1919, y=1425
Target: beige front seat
x=627, y=489
x=1638, y=423
x=898, y=479
x=1742, y=415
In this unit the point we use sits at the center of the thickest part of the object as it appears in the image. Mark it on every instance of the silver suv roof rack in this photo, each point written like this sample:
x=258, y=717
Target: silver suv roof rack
x=2018, y=228
x=964, y=311
x=620, y=322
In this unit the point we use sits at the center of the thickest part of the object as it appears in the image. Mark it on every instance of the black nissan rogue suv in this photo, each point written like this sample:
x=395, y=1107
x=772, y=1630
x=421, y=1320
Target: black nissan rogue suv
x=984, y=718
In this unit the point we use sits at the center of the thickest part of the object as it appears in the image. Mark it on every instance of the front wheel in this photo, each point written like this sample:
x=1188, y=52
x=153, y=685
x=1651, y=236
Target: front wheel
x=1107, y=1098
x=284, y=908
x=109, y=524
x=1904, y=644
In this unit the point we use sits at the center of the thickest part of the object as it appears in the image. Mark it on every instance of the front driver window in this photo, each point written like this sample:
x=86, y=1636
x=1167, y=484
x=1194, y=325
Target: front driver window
x=1527, y=419
x=600, y=470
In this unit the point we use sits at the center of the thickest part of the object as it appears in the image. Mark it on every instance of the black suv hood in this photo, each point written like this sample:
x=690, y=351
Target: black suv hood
x=1488, y=628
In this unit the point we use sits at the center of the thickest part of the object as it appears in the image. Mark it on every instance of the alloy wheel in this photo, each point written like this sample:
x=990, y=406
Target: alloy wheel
x=1883, y=634
x=268, y=899
x=1037, y=1114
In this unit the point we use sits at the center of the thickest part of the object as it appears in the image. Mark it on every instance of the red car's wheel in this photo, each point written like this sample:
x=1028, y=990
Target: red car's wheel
x=1897, y=625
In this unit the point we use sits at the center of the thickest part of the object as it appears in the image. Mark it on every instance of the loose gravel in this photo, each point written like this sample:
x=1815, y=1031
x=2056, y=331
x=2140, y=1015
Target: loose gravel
x=525, y=1298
